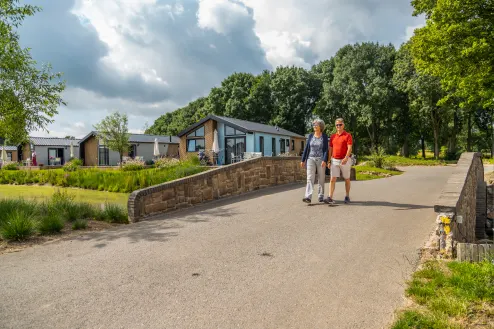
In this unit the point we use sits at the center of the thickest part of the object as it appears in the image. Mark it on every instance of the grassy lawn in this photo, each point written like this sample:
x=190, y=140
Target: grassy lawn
x=450, y=295
x=399, y=161
x=368, y=173
x=23, y=219
x=42, y=193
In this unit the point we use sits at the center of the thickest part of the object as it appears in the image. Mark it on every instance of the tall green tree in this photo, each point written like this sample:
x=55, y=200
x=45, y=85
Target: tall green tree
x=295, y=92
x=113, y=131
x=456, y=45
x=424, y=92
x=29, y=96
x=362, y=85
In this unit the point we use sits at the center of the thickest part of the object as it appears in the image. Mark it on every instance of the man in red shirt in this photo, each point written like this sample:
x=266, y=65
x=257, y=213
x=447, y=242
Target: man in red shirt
x=340, y=148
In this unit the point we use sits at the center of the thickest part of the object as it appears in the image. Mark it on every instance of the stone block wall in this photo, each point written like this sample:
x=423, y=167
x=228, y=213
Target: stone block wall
x=460, y=197
x=214, y=184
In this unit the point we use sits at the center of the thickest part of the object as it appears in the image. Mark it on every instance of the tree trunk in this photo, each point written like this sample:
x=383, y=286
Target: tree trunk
x=422, y=143
x=492, y=133
x=121, y=157
x=436, y=142
x=453, y=136
x=406, y=148
x=469, y=133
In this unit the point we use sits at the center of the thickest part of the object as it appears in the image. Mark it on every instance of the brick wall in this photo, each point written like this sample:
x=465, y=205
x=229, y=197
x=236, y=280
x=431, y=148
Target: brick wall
x=209, y=127
x=217, y=183
x=463, y=195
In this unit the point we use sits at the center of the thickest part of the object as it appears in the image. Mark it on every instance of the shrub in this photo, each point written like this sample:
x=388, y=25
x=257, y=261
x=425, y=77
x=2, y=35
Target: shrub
x=103, y=180
x=114, y=214
x=133, y=165
x=166, y=162
x=61, y=200
x=51, y=222
x=149, y=162
x=378, y=157
x=10, y=166
x=18, y=225
x=79, y=224
x=9, y=206
x=71, y=166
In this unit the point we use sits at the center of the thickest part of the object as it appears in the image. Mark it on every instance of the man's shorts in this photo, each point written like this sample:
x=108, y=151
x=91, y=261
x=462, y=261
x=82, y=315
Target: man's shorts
x=337, y=169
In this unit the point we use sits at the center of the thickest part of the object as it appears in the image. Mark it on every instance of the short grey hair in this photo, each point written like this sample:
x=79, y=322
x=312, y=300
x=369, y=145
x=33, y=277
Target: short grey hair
x=321, y=123
x=340, y=120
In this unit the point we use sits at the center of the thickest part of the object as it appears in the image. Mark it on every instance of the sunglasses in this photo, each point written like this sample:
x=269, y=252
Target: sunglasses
x=339, y=124
x=316, y=125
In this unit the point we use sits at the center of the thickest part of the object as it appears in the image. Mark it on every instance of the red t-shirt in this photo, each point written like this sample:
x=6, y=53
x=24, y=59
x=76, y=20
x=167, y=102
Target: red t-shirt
x=340, y=143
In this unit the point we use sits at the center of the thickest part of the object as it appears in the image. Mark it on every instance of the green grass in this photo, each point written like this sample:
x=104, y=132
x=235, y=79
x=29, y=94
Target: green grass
x=395, y=160
x=369, y=173
x=102, y=180
x=450, y=295
x=21, y=219
x=43, y=193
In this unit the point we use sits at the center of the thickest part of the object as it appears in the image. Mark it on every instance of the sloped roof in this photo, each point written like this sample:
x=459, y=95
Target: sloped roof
x=143, y=138
x=8, y=148
x=243, y=125
x=138, y=138
x=53, y=141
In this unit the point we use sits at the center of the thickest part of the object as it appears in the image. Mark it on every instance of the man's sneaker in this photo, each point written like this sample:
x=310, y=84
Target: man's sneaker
x=328, y=200
x=347, y=199
x=321, y=199
x=306, y=200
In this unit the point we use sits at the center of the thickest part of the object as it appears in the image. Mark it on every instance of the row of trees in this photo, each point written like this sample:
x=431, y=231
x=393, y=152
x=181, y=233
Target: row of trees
x=429, y=93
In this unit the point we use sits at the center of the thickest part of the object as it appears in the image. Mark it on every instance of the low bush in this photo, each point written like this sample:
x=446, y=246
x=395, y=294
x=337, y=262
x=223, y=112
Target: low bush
x=166, y=163
x=73, y=165
x=79, y=224
x=10, y=166
x=20, y=219
x=104, y=180
x=378, y=157
x=133, y=165
x=17, y=225
x=114, y=214
x=51, y=222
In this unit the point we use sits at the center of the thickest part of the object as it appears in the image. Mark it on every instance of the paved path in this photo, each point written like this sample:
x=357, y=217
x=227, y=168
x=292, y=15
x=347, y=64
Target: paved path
x=264, y=260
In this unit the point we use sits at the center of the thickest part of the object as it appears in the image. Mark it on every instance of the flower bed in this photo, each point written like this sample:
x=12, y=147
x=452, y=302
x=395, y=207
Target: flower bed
x=103, y=180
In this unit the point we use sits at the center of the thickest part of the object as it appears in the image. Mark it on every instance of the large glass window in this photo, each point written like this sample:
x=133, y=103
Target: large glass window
x=195, y=145
x=282, y=146
x=235, y=148
x=261, y=144
x=199, y=132
x=196, y=141
x=104, y=156
x=9, y=156
x=229, y=131
x=273, y=146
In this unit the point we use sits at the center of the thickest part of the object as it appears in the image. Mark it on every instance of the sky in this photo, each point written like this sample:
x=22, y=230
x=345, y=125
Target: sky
x=149, y=57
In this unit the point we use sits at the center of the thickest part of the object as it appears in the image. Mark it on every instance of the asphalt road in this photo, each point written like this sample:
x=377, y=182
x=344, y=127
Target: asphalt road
x=264, y=260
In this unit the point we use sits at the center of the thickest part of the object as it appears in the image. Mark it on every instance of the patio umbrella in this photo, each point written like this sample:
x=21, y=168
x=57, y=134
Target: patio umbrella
x=71, y=149
x=216, y=145
x=4, y=154
x=156, y=148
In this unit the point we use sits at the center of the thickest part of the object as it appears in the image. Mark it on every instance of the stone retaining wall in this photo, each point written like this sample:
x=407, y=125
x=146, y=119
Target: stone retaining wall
x=462, y=204
x=216, y=183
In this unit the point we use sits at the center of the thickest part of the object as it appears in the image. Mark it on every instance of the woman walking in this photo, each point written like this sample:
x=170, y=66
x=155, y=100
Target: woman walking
x=315, y=157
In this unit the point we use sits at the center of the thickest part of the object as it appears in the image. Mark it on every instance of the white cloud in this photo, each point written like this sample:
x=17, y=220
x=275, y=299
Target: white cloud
x=222, y=16
x=148, y=57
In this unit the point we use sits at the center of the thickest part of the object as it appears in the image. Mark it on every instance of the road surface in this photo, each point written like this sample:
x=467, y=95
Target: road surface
x=264, y=260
